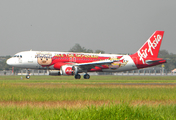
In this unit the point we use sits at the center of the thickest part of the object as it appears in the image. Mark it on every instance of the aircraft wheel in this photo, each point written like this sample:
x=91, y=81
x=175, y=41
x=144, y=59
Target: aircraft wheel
x=86, y=76
x=27, y=76
x=77, y=76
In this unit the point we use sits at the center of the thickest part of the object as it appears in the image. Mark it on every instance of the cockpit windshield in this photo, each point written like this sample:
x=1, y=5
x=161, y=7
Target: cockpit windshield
x=18, y=56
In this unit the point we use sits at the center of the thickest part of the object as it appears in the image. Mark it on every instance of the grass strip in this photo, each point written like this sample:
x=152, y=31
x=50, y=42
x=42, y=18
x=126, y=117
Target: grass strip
x=111, y=112
x=25, y=93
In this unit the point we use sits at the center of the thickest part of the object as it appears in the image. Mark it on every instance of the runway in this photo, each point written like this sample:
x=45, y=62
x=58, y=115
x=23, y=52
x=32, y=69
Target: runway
x=135, y=83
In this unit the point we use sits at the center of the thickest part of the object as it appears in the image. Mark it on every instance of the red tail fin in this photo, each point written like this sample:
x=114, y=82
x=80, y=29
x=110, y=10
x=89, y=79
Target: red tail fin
x=151, y=47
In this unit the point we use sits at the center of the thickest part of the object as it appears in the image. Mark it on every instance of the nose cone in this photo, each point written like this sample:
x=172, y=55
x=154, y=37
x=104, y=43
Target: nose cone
x=10, y=61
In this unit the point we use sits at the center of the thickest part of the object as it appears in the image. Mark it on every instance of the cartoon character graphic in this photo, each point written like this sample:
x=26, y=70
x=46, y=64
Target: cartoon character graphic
x=115, y=65
x=120, y=62
x=44, y=58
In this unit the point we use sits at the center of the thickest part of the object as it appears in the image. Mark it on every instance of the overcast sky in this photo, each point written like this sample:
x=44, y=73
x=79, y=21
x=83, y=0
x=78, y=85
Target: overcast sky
x=115, y=26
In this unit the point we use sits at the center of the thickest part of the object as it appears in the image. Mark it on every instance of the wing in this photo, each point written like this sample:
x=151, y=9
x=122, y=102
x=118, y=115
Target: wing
x=90, y=65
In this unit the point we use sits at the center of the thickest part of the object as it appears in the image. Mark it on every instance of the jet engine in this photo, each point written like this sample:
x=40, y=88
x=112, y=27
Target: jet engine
x=66, y=70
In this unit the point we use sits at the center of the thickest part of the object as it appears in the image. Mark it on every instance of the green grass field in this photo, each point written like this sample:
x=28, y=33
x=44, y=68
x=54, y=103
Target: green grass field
x=101, y=97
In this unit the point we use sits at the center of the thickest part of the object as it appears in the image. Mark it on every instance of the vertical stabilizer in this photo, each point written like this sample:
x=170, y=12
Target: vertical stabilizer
x=150, y=49
x=152, y=45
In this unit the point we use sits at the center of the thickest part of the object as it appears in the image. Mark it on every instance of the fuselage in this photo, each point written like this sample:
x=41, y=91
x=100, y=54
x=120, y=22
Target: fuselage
x=54, y=60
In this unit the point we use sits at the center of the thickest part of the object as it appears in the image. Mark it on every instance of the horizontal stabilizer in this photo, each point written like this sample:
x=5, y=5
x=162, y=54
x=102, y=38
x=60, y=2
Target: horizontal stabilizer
x=153, y=61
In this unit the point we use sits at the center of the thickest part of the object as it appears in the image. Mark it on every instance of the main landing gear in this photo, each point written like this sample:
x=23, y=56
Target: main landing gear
x=86, y=76
x=78, y=76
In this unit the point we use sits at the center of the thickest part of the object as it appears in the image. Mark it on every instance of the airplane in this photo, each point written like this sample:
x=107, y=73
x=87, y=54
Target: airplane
x=70, y=63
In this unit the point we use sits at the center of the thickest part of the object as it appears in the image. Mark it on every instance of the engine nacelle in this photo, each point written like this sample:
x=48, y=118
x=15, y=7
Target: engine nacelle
x=54, y=72
x=66, y=70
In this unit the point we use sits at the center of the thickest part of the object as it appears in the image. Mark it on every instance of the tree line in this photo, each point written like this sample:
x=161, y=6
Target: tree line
x=170, y=57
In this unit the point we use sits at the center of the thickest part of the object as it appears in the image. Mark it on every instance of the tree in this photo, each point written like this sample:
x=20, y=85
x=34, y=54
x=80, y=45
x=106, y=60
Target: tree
x=163, y=53
x=89, y=51
x=78, y=48
x=3, y=65
x=99, y=51
x=170, y=58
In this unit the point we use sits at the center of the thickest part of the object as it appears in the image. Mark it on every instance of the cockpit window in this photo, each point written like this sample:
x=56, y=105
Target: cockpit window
x=18, y=56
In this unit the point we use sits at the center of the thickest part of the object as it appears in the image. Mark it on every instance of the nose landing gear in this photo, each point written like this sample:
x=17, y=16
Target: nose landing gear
x=28, y=74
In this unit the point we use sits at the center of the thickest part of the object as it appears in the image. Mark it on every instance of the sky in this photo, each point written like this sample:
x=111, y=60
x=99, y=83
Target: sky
x=114, y=26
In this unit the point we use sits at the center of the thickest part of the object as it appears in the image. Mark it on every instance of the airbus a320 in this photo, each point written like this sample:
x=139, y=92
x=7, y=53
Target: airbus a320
x=69, y=63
